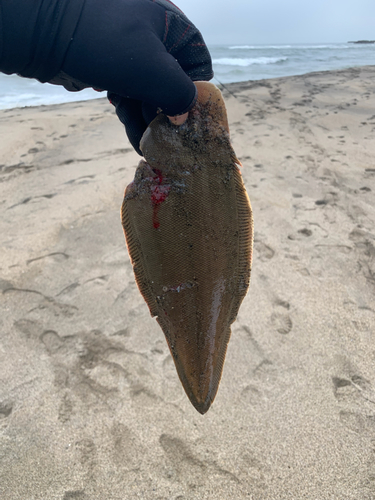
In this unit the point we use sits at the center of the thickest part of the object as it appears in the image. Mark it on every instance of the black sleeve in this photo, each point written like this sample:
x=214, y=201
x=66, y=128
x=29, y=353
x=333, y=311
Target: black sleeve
x=35, y=34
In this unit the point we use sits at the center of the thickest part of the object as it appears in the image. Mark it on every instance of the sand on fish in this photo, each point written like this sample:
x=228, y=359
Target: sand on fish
x=90, y=405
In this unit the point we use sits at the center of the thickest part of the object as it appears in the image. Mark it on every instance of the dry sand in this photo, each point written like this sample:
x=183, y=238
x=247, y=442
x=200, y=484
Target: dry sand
x=90, y=404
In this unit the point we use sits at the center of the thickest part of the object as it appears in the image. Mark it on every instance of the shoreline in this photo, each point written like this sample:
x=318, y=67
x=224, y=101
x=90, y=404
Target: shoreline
x=217, y=83
x=90, y=403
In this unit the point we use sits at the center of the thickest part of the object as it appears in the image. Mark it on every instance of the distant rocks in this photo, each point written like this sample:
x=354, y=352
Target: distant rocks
x=363, y=41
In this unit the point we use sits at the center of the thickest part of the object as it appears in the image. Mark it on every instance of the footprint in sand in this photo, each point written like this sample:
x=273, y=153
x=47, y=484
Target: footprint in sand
x=301, y=234
x=355, y=397
x=282, y=323
x=186, y=465
x=5, y=410
x=264, y=251
x=75, y=495
x=365, y=249
x=87, y=451
x=66, y=409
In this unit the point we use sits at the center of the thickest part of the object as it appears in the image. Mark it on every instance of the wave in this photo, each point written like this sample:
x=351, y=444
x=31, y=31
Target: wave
x=256, y=47
x=17, y=92
x=318, y=47
x=295, y=47
x=233, y=61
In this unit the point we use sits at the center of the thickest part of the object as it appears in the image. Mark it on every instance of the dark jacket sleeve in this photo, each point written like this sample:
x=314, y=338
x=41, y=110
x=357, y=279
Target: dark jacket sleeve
x=35, y=35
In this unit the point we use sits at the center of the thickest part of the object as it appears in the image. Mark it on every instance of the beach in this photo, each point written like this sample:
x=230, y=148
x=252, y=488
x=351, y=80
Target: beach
x=91, y=407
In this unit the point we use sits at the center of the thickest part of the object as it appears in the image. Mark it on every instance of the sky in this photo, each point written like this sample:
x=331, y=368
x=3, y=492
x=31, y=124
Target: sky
x=281, y=21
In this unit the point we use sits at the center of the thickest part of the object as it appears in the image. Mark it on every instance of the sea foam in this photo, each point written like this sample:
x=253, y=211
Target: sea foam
x=235, y=61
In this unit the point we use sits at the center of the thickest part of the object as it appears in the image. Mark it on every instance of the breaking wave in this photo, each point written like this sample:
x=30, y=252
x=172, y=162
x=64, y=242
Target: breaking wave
x=285, y=47
x=235, y=61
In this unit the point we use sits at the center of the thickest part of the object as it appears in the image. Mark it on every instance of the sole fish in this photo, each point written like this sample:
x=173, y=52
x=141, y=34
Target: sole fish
x=188, y=226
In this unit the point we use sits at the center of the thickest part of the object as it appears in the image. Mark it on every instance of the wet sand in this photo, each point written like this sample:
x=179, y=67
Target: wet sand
x=91, y=407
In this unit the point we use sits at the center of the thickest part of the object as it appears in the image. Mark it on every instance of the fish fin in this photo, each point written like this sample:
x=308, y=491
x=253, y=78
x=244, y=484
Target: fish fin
x=135, y=252
x=235, y=160
x=245, y=242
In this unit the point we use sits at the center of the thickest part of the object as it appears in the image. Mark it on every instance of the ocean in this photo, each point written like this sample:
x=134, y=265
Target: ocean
x=232, y=63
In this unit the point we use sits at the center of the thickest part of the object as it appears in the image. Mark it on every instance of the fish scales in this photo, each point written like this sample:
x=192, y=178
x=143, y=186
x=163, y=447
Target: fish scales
x=188, y=226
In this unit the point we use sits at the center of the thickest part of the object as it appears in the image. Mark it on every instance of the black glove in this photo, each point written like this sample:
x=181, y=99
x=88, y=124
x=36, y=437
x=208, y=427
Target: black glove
x=145, y=53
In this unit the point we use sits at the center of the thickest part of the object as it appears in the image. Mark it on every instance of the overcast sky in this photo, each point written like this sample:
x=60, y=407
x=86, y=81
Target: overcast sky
x=281, y=21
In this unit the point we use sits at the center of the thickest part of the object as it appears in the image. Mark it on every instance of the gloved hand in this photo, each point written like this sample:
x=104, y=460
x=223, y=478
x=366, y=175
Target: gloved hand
x=145, y=53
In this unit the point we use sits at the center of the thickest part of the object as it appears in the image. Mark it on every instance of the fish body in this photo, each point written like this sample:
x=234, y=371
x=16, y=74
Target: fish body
x=188, y=226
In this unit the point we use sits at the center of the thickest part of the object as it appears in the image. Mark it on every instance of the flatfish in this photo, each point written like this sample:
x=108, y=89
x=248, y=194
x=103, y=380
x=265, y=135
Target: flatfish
x=188, y=226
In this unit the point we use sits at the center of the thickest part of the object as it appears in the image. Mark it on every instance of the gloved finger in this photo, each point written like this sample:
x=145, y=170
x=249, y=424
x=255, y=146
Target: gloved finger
x=186, y=44
x=130, y=114
x=195, y=59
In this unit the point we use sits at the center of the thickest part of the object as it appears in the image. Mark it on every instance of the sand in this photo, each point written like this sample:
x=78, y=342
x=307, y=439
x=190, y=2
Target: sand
x=90, y=404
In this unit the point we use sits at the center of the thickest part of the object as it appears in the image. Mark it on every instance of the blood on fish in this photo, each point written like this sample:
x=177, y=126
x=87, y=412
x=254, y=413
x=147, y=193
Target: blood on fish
x=159, y=175
x=159, y=194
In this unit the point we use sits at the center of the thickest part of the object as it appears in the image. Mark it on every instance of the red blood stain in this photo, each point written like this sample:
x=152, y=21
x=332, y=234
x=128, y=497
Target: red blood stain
x=159, y=194
x=159, y=175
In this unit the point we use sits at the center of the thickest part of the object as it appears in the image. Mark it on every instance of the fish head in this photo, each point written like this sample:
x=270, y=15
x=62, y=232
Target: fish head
x=205, y=132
